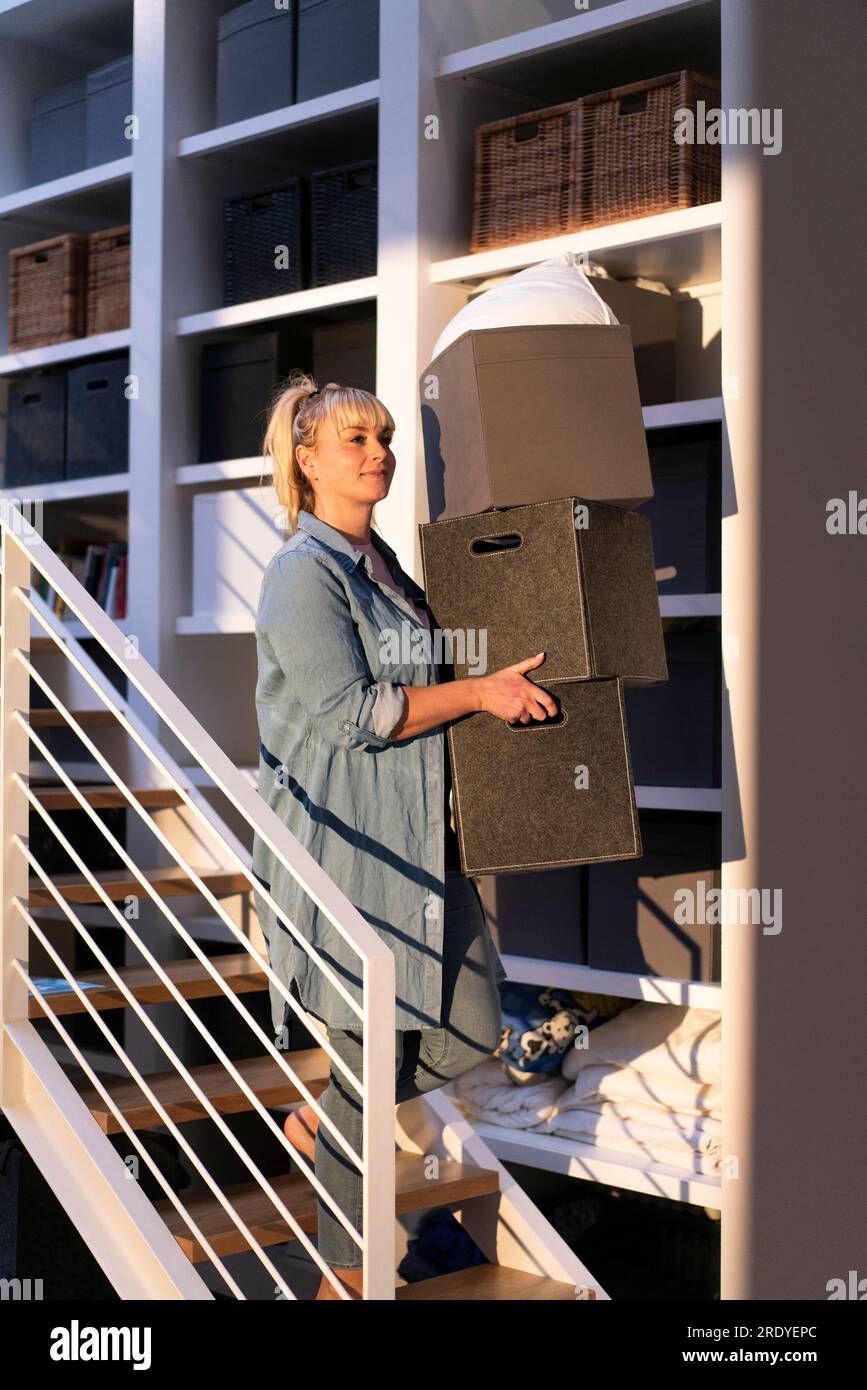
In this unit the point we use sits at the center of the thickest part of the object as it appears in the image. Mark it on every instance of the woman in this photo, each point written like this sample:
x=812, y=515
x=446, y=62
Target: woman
x=353, y=759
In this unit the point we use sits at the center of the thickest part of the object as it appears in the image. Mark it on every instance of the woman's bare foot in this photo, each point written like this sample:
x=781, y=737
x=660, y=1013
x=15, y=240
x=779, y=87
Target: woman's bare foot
x=300, y=1129
x=351, y=1279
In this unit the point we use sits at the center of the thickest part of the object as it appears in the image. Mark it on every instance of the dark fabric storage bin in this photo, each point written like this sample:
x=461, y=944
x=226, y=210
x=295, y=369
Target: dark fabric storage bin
x=255, y=60
x=674, y=729
x=517, y=415
x=58, y=132
x=541, y=915
x=632, y=908
x=253, y=226
x=344, y=221
x=237, y=382
x=338, y=45
x=516, y=802
x=531, y=579
x=686, y=510
x=109, y=103
x=97, y=418
x=36, y=429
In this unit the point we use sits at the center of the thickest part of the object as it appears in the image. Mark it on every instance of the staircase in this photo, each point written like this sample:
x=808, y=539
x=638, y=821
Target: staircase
x=67, y=1107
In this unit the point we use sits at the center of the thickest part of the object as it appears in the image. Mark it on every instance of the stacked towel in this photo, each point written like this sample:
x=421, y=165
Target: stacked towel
x=648, y=1084
x=489, y=1094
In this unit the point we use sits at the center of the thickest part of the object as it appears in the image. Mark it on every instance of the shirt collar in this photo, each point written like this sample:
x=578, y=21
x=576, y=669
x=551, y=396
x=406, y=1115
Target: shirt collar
x=336, y=539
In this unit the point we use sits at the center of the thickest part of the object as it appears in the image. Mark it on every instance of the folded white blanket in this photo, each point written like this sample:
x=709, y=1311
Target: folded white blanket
x=642, y=1123
x=659, y=1040
x=625, y=1084
x=589, y=1126
x=487, y=1094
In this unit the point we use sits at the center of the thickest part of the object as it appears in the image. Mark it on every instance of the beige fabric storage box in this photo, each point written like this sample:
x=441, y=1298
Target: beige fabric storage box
x=516, y=415
x=574, y=580
x=517, y=799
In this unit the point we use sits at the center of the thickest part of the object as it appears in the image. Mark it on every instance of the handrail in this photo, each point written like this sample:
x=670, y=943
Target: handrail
x=22, y=548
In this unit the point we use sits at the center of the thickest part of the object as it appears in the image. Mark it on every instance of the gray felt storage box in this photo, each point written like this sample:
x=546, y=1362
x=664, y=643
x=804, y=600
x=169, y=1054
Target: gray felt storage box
x=572, y=579
x=58, y=132
x=674, y=729
x=686, y=510
x=634, y=916
x=515, y=415
x=338, y=45
x=35, y=429
x=109, y=103
x=537, y=915
x=237, y=381
x=255, y=60
x=519, y=796
x=97, y=418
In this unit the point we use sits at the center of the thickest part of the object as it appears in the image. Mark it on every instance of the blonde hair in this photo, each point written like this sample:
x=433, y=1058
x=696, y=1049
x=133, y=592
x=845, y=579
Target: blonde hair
x=294, y=416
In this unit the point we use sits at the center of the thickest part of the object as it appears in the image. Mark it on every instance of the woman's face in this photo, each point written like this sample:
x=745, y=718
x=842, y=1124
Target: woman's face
x=352, y=464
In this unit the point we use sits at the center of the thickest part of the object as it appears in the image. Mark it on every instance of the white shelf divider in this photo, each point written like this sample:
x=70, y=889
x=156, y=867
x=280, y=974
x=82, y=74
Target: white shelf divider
x=579, y=1160
x=556, y=35
x=69, y=489
x=703, y=412
x=330, y=105
x=680, y=248
x=651, y=989
x=71, y=351
x=278, y=306
x=99, y=176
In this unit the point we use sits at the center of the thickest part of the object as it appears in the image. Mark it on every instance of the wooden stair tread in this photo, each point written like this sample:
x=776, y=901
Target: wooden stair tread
x=239, y=971
x=264, y=1076
x=57, y=797
x=415, y=1191
x=54, y=719
x=169, y=882
x=45, y=644
x=488, y=1282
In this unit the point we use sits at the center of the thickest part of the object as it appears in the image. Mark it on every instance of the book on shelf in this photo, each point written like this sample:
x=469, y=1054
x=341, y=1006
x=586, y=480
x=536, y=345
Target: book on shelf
x=101, y=567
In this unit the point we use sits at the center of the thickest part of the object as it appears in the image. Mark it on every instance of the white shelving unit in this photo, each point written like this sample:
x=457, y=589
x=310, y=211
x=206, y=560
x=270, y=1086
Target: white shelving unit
x=462, y=64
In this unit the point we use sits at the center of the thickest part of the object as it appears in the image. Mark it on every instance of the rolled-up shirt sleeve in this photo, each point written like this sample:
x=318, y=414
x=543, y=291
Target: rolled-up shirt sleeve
x=305, y=616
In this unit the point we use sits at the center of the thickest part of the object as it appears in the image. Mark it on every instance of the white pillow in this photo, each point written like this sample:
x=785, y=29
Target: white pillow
x=557, y=291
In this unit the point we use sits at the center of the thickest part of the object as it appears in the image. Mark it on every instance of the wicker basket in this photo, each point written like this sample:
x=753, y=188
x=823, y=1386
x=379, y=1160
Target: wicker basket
x=630, y=164
x=47, y=287
x=606, y=157
x=344, y=210
x=108, y=276
x=524, y=168
x=253, y=227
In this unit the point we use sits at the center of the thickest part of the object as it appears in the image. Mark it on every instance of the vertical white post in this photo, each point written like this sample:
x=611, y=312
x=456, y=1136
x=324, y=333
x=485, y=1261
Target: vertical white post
x=794, y=1216
x=14, y=807
x=378, y=1077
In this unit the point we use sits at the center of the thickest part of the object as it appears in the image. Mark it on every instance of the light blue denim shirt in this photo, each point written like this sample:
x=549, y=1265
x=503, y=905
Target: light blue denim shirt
x=369, y=808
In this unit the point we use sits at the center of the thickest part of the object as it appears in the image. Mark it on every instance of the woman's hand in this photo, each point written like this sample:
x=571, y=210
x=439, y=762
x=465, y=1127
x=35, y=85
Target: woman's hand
x=510, y=696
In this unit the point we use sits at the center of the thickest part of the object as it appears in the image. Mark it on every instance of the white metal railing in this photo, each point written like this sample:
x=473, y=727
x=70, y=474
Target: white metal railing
x=24, y=1058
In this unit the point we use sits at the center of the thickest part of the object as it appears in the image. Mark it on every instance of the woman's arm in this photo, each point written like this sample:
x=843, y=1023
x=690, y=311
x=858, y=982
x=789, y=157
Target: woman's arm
x=505, y=693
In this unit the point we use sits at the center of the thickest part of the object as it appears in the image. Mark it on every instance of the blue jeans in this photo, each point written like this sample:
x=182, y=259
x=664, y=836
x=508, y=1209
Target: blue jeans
x=425, y=1059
